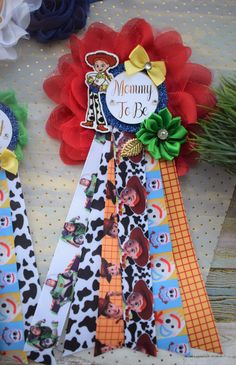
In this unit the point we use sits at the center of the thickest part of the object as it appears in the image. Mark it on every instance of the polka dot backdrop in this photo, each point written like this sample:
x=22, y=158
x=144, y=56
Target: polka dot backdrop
x=209, y=28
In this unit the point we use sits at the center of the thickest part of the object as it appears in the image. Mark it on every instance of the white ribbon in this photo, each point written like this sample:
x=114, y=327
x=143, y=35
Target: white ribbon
x=63, y=256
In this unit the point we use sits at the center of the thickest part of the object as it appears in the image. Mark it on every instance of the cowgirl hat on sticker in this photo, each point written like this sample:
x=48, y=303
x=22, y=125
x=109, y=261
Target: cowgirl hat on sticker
x=108, y=58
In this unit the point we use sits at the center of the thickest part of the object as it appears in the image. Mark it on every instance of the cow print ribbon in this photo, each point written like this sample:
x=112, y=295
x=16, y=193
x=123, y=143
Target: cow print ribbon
x=58, y=289
x=28, y=275
x=133, y=239
x=81, y=329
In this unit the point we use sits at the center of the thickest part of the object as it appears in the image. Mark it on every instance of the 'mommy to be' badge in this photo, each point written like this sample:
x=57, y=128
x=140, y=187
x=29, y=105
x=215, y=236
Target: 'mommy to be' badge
x=131, y=99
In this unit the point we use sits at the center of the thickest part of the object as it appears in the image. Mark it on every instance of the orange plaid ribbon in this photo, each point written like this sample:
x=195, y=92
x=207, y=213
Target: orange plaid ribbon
x=110, y=329
x=199, y=318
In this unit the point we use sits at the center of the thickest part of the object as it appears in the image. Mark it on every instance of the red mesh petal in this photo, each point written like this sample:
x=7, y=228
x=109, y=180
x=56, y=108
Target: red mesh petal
x=72, y=103
x=58, y=117
x=76, y=136
x=182, y=166
x=167, y=38
x=199, y=74
x=204, y=97
x=53, y=87
x=70, y=156
x=98, y=36
x=79, y=92
x=135, y=31
x=183, y=104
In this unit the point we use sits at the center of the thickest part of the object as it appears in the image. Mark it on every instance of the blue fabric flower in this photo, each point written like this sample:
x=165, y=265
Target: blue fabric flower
x=58, y=19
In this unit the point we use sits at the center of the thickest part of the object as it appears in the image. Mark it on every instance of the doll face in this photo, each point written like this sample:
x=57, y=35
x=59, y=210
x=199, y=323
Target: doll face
x=36, y=331
x=14, y=335
x=113, y=311
x=114, y=230
x=100, y=66
x=7, y=278
x=4, y=222
x=132, y=249
x=136, y=302
x=171, y=325
x=7, y=309
x=128, y=197
x=70, y=227
x=168, y=294
x=113, y=270
x=153, y=184
x=50, y=282
x=5, y=255
x=179, y=348
x=84, y=181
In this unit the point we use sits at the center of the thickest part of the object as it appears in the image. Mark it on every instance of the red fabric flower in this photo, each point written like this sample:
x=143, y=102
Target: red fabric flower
x=187, y=84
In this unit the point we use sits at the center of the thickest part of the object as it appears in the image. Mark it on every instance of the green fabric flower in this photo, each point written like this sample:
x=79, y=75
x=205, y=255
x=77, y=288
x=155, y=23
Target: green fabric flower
x=9, y=99
x=162, y=135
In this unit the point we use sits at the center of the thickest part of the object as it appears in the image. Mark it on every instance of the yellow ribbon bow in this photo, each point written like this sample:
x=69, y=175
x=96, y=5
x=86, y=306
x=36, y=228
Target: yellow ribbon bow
x=8, y=161
x=139, y=61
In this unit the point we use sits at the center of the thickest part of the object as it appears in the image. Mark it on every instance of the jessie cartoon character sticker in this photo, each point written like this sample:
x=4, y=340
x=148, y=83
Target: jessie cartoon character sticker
x=97, y=82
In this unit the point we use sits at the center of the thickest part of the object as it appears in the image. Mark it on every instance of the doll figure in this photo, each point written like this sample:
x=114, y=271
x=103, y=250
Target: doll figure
x=109, y=269
x=136, y=248
x=109, y=309
x=140, y=301
x=97, y=82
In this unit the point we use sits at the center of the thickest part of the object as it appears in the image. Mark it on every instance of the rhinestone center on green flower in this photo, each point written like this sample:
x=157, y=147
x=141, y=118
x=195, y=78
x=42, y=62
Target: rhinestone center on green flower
x=162, y=135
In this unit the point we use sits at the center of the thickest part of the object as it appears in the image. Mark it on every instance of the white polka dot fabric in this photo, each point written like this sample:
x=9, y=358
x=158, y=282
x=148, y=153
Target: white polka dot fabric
x=209, y=28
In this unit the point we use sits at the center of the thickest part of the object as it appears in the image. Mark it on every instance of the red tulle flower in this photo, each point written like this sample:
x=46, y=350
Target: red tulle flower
x=187, y=84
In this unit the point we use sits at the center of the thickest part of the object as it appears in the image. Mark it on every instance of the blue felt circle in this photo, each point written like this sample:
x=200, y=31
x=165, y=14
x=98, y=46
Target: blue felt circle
x=123, y=127
x=15, y=129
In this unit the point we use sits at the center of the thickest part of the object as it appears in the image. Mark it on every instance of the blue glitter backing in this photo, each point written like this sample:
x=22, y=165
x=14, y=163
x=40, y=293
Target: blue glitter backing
x=15, y=130
x=123, y=127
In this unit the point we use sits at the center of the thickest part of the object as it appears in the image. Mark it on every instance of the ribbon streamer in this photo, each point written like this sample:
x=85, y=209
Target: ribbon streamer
x=27, y=271
x=133, y=233
x=109, y=329
x=199, y=317
x=169, y=313
x=81, y=328
x=55, y=299
x=11, y=319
